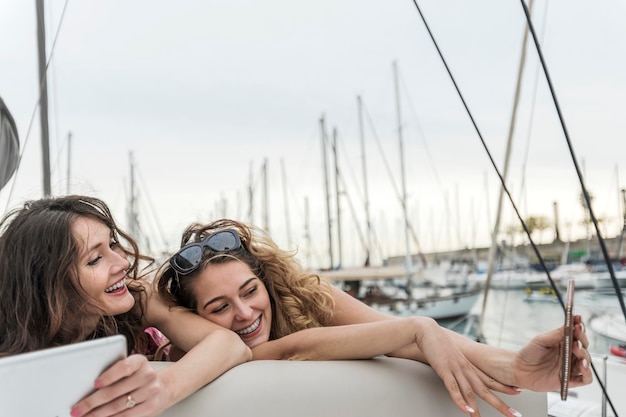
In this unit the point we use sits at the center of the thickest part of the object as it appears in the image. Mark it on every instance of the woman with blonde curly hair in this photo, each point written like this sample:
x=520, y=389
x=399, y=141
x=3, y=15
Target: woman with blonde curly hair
x=234, y=275
x=299, y=300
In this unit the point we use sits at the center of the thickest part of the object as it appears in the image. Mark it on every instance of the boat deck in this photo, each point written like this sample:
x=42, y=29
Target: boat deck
x=375, y=387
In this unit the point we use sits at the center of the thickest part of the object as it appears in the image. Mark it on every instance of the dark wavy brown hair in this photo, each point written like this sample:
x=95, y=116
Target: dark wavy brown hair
x=41, y=299
x=299, y=299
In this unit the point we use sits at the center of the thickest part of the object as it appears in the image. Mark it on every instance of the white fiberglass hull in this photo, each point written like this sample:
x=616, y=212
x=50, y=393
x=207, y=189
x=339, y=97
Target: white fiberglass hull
x=375, y=387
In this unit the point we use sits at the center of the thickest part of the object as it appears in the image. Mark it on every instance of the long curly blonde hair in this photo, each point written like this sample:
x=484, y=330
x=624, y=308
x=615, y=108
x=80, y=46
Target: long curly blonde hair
x=299, y=299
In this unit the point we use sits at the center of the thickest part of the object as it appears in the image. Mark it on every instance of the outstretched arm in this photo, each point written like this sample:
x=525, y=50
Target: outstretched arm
x=536, y=366
x=356, y=341
x=470, y=368
x=366, y=340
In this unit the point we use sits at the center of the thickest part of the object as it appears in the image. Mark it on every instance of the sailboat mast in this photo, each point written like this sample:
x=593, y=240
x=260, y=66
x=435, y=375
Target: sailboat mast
x=133, y=221
x=620, y=246
x=327, y=191
x=266, y=218
x=285, y=197
x=338, y=198
x=408, y=262
x=507, y=157
x=368, y=222
x=251, y=195
x=307, y=232
x=43, y=98
x=557, y=231
x=69, y=160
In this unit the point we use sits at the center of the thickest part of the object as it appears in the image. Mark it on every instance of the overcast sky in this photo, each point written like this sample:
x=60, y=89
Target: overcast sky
x=202, y=93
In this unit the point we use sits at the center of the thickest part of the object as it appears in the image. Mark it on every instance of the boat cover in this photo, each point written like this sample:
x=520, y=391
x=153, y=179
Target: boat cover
x=376, y=387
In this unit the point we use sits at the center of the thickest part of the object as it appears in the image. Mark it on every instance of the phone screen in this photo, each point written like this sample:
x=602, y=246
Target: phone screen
x=568, y=339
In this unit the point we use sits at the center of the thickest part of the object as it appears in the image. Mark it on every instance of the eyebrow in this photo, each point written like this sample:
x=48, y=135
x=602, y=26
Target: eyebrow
x=94, y=247
x=221, y=296
x=87, y=250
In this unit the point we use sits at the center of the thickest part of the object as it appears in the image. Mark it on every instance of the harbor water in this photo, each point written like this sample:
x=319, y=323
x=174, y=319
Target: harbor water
x=511, y=321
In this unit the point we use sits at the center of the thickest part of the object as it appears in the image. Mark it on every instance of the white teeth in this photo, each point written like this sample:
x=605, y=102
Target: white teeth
x=250, y=328
x=117, y=286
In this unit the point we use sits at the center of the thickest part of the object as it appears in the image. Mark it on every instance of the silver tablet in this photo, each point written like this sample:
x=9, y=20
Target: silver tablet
x=48, y=382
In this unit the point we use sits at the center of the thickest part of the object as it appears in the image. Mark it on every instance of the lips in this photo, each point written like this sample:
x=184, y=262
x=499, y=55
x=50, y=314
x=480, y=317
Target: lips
x=117, y=286
x=250, y=329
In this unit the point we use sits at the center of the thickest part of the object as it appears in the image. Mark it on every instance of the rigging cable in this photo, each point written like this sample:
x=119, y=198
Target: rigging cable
x=344, y=191
x=429, y=157
x=32, y=118
x=532, y=115
x=395, y=186
x=505, y=188
x=585, y=193
x=601, y=241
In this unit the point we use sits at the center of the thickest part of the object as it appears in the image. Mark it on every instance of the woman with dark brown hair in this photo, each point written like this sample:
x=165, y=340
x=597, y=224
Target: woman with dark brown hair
x=69, y=274
x=234, y=275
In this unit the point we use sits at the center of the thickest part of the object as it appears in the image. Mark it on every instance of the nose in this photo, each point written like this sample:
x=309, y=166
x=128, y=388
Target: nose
x=120, y=260
x=243, y=311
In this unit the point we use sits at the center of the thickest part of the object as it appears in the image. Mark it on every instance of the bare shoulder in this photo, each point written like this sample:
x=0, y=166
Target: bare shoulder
x=349, y=310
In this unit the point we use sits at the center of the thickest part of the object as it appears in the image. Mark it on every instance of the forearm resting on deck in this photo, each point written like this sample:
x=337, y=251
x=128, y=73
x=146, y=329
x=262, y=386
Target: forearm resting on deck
x=356, y=341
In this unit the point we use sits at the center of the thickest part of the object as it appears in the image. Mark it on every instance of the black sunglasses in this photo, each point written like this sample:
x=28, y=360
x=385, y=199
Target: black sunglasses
x=188, y=258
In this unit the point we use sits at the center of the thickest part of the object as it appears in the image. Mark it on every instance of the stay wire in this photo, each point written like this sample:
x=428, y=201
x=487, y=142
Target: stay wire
x=346, y=194
x=582, y=184
x=393, y=183
x=605, y=253
x=32, y=117
x=493, y=163
x=505, y=188
x=601, y=241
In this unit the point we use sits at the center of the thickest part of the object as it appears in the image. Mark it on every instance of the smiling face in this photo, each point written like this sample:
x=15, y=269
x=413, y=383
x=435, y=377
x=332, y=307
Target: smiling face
x=101, y=266
x=232, y=296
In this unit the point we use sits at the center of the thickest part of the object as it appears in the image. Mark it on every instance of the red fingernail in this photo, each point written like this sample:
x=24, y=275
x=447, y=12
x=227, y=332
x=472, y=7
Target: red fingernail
x=97, y=384
x=75, y=412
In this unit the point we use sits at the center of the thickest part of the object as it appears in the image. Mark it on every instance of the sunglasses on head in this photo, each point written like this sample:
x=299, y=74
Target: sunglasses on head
x=188, y=258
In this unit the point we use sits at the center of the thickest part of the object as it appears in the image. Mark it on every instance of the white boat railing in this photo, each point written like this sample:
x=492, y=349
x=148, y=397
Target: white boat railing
x=375, y=387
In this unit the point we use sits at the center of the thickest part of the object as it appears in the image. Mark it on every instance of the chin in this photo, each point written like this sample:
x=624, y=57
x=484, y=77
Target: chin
x=121, y=307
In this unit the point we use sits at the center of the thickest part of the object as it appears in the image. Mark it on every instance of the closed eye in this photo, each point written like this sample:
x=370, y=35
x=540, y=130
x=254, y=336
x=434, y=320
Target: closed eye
x=220, y=309
x=251, y=291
